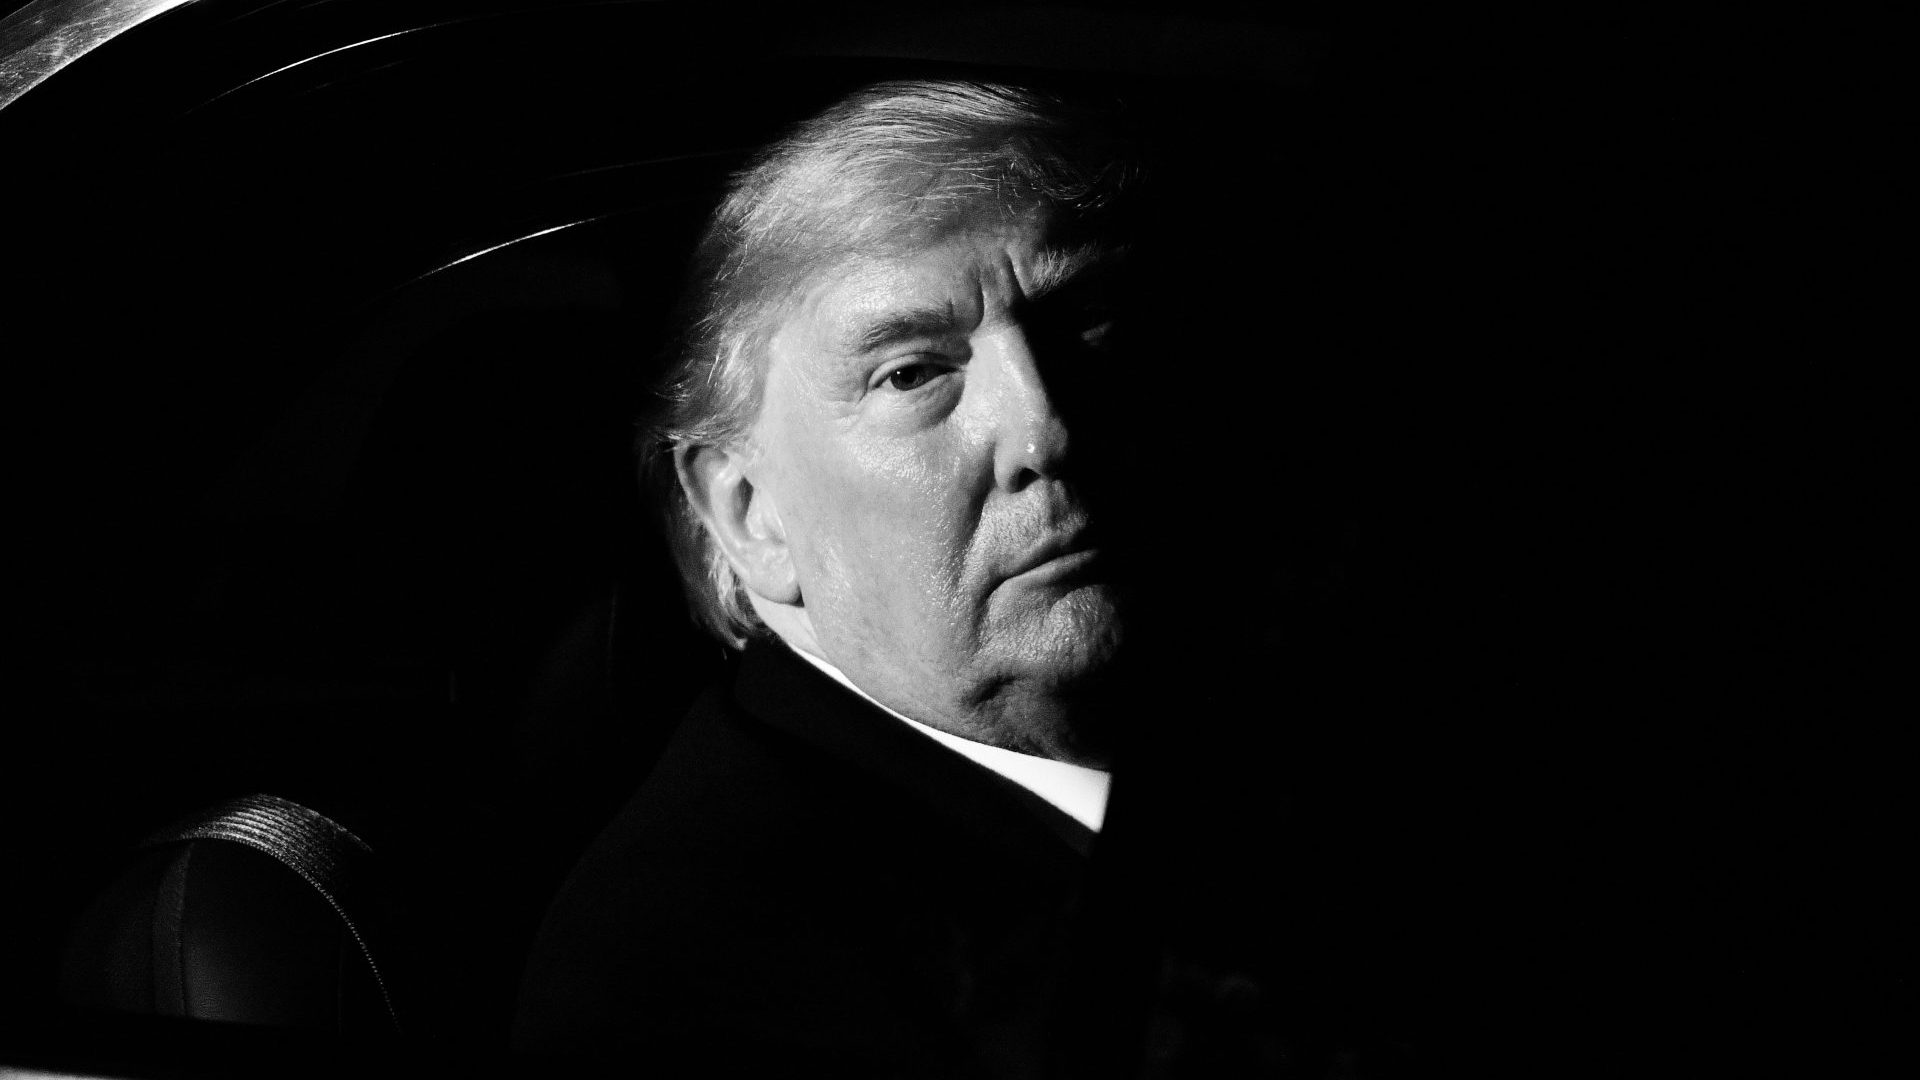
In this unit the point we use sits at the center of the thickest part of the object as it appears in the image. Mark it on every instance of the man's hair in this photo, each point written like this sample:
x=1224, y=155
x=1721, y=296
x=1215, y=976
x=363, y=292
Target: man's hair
x=889, y=166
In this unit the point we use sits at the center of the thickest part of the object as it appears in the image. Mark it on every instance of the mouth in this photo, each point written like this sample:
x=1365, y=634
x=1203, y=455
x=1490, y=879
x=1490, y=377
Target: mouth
x=1072, y=557
x=1069, y=567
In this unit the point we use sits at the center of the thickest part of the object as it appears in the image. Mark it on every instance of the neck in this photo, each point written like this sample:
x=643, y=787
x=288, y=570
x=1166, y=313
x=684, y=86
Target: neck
x=1036, y=723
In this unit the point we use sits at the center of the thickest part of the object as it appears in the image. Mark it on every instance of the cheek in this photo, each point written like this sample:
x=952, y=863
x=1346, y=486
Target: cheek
x=894, y=510
x=908, y=498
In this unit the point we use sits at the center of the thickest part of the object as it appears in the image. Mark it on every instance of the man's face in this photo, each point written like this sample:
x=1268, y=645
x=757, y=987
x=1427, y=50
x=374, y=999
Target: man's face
x=912, y=443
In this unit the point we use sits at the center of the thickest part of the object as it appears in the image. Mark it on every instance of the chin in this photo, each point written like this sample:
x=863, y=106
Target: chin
x=1060, y=706
x=1073, y=639
x=1037, y=675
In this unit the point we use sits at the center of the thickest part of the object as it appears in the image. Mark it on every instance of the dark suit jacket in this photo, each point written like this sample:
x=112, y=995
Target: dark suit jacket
x=804, y=883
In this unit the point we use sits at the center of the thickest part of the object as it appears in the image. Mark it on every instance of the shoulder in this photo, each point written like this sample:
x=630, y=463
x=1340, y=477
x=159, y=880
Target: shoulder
x=769, y=881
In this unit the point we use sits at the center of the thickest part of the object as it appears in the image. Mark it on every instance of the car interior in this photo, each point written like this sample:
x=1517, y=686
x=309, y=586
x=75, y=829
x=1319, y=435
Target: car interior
x=352, y=623
x=347, y=625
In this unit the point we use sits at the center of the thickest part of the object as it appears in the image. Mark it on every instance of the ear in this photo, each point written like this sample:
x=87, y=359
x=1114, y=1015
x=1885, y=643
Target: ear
x=742, y=519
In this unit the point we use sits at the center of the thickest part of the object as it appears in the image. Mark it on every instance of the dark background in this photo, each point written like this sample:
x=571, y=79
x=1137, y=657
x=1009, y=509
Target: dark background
x=1521, y=444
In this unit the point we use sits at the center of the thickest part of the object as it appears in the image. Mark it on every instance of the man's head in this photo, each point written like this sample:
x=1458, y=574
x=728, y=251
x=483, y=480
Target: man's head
x=868, y=427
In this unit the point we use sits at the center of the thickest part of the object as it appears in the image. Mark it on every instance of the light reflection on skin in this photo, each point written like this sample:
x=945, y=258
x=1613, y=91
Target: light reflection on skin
x=904, y=509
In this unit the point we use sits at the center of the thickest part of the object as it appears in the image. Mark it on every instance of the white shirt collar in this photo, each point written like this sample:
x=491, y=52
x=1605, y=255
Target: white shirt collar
x=1078, y=791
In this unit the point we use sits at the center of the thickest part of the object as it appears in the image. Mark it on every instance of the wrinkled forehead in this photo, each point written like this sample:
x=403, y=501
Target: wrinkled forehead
x=942, y=282
x=823, y=233
x=899, y=229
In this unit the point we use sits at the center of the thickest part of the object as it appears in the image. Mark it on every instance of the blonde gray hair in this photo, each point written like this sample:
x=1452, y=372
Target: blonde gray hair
x=889, y=164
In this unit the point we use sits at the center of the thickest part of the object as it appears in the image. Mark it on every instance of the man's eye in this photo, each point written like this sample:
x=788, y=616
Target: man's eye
x=912, y=376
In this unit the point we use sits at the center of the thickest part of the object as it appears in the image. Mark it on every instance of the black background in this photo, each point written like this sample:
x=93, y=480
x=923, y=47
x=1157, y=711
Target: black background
x=1522, y=443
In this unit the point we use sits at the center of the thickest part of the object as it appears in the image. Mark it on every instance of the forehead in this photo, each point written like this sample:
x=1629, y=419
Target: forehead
x=960, y=278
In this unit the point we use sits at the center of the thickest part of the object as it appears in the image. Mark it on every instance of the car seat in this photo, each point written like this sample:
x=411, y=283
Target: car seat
x=259, y=910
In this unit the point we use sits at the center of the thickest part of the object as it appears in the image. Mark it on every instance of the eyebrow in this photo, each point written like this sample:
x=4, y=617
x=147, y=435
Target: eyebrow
x=1057, y=271
x=897, y=326
x=1058, y=268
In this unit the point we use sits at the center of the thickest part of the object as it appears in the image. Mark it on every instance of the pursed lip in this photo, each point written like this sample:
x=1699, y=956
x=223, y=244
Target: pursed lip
x=1058, y=555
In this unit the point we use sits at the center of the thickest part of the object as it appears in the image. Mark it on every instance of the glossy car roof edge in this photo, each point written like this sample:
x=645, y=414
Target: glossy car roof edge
x=46, y=35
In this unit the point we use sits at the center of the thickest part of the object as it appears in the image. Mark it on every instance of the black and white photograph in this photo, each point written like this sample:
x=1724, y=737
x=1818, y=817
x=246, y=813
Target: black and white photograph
x=1103, y=541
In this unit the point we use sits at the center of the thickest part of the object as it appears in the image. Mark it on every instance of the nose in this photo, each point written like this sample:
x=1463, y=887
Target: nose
x=1031, y=435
